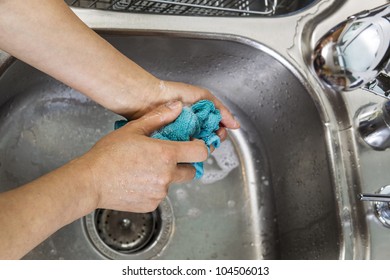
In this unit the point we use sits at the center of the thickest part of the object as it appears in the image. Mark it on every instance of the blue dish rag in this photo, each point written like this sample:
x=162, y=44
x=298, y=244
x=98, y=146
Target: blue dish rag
x=200, y=121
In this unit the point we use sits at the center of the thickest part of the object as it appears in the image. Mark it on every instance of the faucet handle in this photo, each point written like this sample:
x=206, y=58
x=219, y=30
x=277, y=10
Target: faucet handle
x=381, y=204
x=374, y=197
x=354, y=52
x=380, y=85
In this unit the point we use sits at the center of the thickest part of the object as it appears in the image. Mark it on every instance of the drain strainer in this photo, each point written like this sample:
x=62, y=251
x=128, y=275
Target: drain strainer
x=125, y=231
x=126, y=235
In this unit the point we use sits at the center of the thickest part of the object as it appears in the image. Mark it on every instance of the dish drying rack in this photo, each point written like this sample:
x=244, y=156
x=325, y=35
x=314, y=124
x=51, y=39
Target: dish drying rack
x=185, y=7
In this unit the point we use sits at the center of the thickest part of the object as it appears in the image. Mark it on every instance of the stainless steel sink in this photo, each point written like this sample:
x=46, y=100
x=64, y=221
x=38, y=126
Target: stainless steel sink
x=268, y=193
x=284, y=186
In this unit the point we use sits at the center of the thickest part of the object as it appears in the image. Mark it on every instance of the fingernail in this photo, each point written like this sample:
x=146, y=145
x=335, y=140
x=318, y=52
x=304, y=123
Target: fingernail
x=173, y=104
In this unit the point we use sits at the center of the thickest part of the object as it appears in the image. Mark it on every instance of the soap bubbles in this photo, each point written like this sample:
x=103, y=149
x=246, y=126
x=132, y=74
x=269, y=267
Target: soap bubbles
x=221, y=162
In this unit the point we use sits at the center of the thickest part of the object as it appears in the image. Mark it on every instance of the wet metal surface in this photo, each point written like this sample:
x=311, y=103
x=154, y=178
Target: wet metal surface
x=267, y=193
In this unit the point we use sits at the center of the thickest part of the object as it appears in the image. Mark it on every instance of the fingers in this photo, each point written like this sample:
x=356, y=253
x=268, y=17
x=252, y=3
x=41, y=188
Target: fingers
x=157, y=118
x=191, y=151
x=189, y=94
x=228, y=119
x=184, y=172
x=222, y=133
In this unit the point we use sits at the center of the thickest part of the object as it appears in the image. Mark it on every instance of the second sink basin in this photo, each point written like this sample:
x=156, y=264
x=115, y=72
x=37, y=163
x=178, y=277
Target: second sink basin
x=267, y=193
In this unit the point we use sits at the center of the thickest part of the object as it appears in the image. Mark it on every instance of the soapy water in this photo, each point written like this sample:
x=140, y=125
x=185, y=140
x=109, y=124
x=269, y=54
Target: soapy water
x=221, y=162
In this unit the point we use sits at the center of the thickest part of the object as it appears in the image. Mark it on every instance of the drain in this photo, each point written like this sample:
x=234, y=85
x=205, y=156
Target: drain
x=125, y=231
x=126, y=235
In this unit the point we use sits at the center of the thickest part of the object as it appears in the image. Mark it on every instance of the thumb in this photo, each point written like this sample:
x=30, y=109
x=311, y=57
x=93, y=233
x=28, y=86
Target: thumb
x=159, y=117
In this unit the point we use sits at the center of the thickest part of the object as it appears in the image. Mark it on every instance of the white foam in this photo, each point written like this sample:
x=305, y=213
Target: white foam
x=222, y=161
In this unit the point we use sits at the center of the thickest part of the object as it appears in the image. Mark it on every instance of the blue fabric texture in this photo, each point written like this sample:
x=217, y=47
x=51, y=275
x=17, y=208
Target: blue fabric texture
x=199, y=121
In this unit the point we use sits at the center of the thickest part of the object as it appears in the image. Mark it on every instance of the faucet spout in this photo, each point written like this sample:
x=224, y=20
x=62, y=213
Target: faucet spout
x=356, y=53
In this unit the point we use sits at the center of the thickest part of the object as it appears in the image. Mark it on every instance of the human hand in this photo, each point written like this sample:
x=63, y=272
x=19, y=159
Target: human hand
x=159, y=92
x=126, y=171
x=123, y=87
x=129, y=171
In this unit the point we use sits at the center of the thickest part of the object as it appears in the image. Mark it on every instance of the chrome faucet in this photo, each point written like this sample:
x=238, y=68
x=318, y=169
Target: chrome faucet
x=355, y=54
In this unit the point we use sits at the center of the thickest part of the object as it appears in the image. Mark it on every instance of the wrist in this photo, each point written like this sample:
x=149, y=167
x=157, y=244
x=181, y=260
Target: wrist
x=124, y=88
x=82, y=183
x=138, y=96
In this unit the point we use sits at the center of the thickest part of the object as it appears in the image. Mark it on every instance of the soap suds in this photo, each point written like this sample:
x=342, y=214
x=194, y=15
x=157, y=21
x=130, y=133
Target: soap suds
x=222, y=161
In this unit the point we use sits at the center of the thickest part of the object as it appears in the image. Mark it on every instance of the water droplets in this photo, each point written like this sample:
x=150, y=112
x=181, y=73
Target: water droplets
x=231, y=203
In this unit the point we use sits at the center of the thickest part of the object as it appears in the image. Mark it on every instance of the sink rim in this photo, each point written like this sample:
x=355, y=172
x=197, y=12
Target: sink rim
x=329, y=131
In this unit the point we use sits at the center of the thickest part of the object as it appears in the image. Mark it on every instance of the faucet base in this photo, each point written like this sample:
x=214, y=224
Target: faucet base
x=373, y=125
x=382, y=208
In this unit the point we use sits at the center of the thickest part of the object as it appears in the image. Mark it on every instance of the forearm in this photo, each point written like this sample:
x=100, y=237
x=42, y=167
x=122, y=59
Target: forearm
x=120, y=172
x=54, y=40
x=49, y=36
x=31, y=213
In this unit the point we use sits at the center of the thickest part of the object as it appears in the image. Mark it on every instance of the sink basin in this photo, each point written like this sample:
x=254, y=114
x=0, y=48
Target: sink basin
x=267, y=193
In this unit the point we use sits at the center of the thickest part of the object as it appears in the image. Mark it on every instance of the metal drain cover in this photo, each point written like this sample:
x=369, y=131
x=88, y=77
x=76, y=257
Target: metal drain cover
x=131, y=236
x=125, y=231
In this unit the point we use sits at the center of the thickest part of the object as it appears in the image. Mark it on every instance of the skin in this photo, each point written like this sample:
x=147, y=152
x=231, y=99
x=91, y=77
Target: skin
x=113, y=175
x=121, y=171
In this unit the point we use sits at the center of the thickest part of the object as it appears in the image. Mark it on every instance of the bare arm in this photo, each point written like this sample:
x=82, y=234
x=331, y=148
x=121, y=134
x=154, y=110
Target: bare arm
x=50, y=37
x=120, y=172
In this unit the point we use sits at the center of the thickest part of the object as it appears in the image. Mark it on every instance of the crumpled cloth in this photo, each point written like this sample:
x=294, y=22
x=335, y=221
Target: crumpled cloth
x=200, y=121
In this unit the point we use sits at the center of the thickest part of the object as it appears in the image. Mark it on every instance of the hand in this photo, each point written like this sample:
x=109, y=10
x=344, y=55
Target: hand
x=123, y=87
x=126, y=170
x=130, y=171
x=159, y=92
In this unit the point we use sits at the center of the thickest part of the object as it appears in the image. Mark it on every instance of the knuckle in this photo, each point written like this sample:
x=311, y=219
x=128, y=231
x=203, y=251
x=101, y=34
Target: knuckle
x=159, y=191
x=158, y=112
x=206, y=91
x=164, y=179
x=150, y=207
x=203, y=93
x=161, y=194
x=153, y=205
